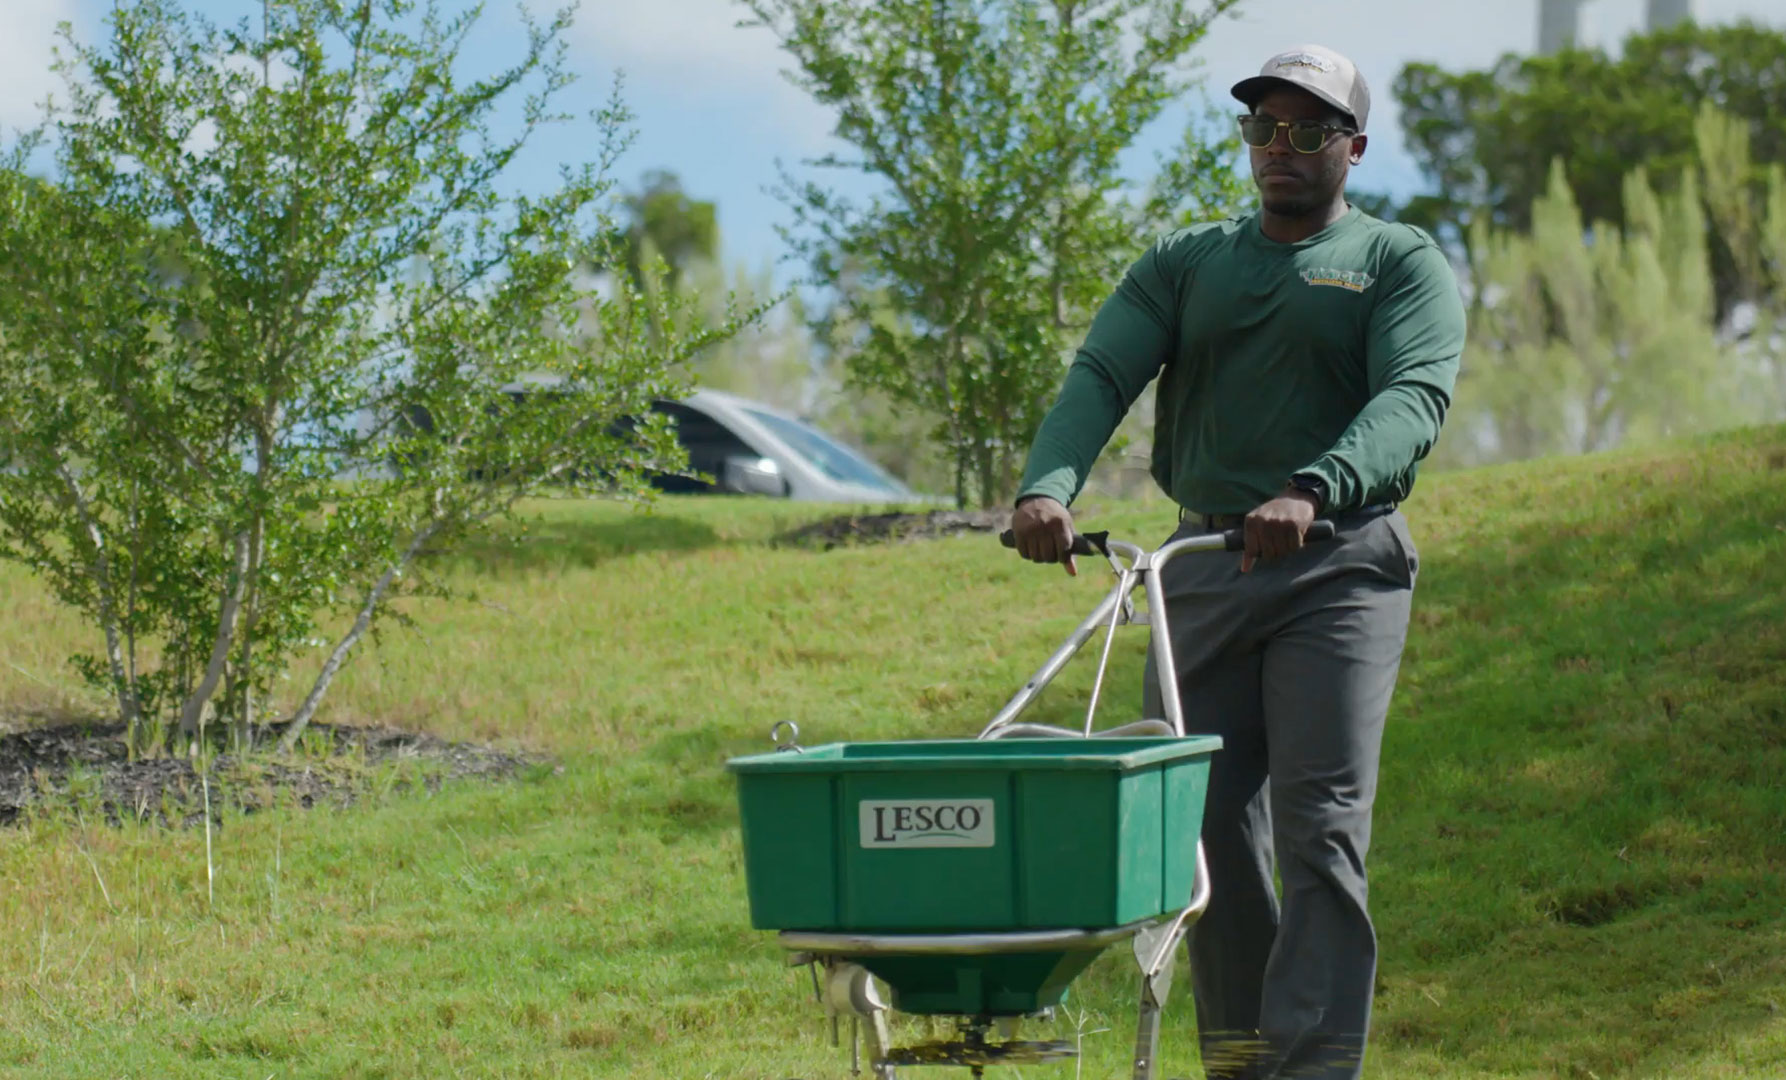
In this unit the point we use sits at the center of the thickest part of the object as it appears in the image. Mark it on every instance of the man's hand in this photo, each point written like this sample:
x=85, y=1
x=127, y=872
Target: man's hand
x=1044, y=532
x=1276, y=529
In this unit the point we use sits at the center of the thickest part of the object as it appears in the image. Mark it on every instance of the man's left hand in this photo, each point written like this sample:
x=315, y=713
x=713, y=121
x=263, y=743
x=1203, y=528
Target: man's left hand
x=1276, y=529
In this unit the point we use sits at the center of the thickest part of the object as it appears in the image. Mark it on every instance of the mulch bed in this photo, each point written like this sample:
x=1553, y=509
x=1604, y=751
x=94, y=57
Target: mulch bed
x=894, y=528
x=86, y=767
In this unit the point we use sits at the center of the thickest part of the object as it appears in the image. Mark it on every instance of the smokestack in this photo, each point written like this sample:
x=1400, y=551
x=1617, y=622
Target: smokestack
x=1665, y=13
x=1559, y=21
x=1559, y=24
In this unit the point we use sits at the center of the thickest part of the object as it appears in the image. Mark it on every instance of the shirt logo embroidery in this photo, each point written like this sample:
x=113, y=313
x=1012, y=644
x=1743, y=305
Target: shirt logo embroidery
x=1307, y=60
x=1355, y=280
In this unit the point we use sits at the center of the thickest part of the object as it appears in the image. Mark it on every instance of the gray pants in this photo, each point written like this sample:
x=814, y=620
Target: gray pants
x=1292, y=665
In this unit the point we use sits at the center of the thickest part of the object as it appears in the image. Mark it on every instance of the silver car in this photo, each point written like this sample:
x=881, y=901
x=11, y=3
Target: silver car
x=746, y=447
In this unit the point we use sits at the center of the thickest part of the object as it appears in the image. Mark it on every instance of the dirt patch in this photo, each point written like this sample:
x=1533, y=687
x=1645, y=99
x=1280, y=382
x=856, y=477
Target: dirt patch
x=86, y=767
x=894, y=528
x=1598, y=906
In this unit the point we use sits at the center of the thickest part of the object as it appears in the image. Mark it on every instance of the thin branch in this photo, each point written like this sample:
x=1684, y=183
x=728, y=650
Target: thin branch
x=100, y=570
x=301, y=719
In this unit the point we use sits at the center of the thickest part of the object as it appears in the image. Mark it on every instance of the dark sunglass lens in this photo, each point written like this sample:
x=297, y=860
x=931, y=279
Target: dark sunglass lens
x=1257, y=130
x=1308, y=137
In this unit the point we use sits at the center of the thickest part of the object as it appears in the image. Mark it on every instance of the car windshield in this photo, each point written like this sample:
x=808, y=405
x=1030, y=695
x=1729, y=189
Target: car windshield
x=832, y=458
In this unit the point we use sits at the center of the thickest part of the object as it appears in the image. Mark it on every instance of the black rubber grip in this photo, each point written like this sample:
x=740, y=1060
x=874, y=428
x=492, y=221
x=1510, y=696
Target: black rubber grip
x=1235, y=539
x=1083, y=543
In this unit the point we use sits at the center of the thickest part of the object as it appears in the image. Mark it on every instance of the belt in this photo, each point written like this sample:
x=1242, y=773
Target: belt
x=1222, y=522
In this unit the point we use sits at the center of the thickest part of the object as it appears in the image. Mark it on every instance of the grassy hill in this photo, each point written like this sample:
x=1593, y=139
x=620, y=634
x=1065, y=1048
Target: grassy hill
x=1579, y=864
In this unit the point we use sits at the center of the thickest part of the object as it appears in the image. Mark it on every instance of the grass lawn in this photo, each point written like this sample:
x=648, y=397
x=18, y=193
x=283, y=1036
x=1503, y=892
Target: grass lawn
x=1579, y=865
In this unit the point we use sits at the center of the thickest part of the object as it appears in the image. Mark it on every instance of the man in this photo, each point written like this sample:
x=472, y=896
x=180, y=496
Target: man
x=1306, y=356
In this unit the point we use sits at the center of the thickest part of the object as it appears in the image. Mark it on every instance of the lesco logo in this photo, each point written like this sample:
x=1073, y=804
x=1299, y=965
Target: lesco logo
x=926, y=823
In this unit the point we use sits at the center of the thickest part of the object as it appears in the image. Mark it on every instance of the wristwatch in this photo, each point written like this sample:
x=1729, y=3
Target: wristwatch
x=1312, y=484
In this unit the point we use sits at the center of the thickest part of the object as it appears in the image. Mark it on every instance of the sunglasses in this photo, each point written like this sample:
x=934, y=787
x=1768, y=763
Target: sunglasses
x=1306, y=136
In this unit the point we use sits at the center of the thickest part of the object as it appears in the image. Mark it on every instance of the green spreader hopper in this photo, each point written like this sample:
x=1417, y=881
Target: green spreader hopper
x=976, y=878
x=899, y=846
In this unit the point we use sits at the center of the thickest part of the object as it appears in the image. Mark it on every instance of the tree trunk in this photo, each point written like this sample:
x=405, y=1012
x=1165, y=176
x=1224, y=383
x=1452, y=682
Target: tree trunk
x=960, y=476
x=988, y=476
x=231, y=680
x=133, y=736
x=243, y=731
x=193, y=709
x=959, y=439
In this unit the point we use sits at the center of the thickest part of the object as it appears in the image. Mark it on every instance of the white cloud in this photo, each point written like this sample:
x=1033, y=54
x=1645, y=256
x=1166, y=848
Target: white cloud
x=694, y=51
x=25, y=58
x=695, y=39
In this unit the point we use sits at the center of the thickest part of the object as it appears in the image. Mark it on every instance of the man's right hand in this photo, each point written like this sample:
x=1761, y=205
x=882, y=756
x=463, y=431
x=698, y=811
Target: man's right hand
x=1044, y=532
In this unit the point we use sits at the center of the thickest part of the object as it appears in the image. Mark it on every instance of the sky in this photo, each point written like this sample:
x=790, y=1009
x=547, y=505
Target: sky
x=713, y=107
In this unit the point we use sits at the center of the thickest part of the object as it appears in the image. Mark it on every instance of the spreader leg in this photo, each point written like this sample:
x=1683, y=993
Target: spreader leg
x=1147, y=1033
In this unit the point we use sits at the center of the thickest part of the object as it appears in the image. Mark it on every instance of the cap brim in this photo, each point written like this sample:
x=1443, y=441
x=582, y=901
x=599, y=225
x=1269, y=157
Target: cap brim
x=1249, y=91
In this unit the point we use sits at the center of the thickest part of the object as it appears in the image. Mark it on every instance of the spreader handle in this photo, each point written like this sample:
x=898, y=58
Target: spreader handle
x=1235, y=539
x=1083, y=543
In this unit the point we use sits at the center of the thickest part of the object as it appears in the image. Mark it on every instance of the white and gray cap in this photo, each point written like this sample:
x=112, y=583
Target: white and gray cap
x=1317, y=69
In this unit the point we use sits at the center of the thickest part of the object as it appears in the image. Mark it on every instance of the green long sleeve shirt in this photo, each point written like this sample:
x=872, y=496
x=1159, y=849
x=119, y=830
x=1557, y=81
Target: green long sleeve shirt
x=1335, y=356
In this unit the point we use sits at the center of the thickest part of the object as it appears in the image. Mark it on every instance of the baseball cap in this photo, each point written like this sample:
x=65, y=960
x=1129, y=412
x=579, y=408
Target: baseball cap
x=1317, y=69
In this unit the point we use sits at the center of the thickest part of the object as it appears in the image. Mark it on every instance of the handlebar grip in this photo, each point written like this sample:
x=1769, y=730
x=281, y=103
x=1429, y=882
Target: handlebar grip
x=1235, y=539
x=1083, y=543
x=1097, y=543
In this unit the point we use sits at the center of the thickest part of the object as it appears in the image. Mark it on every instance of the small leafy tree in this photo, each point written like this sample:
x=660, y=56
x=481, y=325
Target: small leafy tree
x=998, y=129
x=1587, y=338
x=265, y=330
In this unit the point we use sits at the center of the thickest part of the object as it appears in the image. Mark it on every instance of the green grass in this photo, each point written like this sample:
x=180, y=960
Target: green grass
x=1579, y=862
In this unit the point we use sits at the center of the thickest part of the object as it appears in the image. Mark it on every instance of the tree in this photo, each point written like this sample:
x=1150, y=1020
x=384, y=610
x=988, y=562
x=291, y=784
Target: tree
x=1587, y=336
x=264, y=252
x=663, y=222
x=1486, y=139
x=1747, y=205
x=997, y=130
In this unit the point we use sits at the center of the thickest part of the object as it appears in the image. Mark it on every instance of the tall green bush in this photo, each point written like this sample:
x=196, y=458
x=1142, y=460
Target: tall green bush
x=257, y=328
